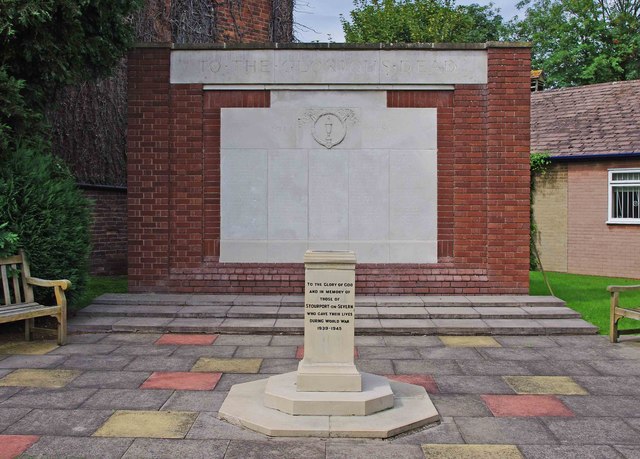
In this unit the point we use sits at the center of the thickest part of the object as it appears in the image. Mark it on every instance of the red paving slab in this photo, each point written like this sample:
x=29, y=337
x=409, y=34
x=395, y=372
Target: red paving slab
x=300, y=352
x=526, y=405
x=425, y=381
x=181, y=380
x=14, y=445
x=186, y=340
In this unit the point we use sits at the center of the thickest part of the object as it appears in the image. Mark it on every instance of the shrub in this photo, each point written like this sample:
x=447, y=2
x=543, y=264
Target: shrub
x=40, y=204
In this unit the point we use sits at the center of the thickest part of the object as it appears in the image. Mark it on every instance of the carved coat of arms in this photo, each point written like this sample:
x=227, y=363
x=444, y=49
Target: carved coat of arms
x=328, y=126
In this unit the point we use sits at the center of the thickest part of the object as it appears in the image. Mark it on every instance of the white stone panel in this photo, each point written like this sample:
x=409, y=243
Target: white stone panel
x=413, y=195
x=451, y=66
x=328, y=195
x=368, y=195
x=243, y=251
x=328, y=245
x=413, y=251
x=406, y=128
x=219, y=66
x=288, y=195
x=262, y=128
x=370, y=251
x=243, y=192
x=301, y=66
x=310, y=99
x=286, y=251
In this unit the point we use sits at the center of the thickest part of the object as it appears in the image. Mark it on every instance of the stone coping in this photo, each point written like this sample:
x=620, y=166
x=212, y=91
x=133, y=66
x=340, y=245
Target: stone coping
x=337, y=46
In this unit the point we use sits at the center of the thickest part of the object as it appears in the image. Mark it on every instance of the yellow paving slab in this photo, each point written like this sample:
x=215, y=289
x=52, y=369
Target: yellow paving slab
x=39, y=378
x=469, y=341
x=556, y=385
x=227, y=365
x=28, y=347
x=147, y=424
x=471, y=452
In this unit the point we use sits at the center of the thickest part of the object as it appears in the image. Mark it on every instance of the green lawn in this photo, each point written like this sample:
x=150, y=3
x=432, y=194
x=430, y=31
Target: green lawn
x=588, y=295
x=96, y=286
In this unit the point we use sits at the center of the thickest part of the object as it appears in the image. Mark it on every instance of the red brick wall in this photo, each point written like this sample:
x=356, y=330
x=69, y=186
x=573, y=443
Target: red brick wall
x=593, y=246
x=483, y=188
x=244, y=21
x=109, y=230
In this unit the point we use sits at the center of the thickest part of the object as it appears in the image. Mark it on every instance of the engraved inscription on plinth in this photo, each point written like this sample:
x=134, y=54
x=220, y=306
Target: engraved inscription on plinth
x=329, y=324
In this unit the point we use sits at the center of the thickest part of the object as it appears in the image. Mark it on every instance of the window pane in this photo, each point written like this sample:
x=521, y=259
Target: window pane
x=619, y=176
x=626, y=202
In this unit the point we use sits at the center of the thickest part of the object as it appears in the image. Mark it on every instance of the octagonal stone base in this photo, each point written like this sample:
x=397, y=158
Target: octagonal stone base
x=281, y=394
x=412, y=408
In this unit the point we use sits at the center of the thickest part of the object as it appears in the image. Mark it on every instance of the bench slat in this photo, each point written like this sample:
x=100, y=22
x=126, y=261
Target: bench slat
x=16, y=285
x=31, y=311
x=11, y=260
x=5, y=285
x=15, y=307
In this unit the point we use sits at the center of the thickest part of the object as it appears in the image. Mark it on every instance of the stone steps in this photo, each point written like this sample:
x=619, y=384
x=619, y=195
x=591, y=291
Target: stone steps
x=454, y=315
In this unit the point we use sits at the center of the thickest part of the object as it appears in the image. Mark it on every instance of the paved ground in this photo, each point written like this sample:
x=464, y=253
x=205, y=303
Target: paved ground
x=152, y=395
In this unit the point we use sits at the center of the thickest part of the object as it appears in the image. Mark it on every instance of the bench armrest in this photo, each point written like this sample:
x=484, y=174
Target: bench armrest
x=622, y=288
x=62, y=283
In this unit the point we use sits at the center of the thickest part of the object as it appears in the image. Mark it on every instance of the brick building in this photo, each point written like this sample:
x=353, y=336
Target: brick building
x=221, y=193
x=586, y=206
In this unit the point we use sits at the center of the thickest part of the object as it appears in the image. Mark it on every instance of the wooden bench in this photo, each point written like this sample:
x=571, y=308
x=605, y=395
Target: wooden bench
x=618, y=313
x=19, y=303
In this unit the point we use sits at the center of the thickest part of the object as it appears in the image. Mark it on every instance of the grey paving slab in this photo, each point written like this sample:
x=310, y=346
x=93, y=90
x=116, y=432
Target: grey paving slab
x=32, y=361
x=194, y=400
x=59, y=447
x=76, y=423
x=289, y=325
x=493, y=300
x=249, y=324
x=585, y=431
x=405, y=312
x=6, y=392
x=110, y=379
x=504, y=431
x=582, y=341
x=191, y=312
x=34, y=397
x=542, y=300
x=204, y=351
x=399, y=301
x=105, y=310
x=603, y=405
x=550, y=312
x=86, y=338
x=568, y=452
x=290, y=312
x=229, y=379
x=469, y=405
x=273, y=352
x=275, y=450
x=452, y=312
x=144, y=298
x=516, y=326
x=443, y=433
x=368, y=324
x=504, y=312
x=550, y=367
x=208, y=426
x=211, y=299
x=134, y=324
x=366, y=312
x=450, y=353
x=96, y=362
x=526, y=341
x=453, y=300
x=89, y=324
x=292, y=299
x=288, y=340
x=369, y=341
x=492, y=368
x=199, y=325
x=375, y=451
x=414, y=341
x=460, y=326
x=610, y=385
x=388, y=352
x=634, y=421
x=277, y=366
x=426, y=367
x=629, y=452
x=171, y=449
x=154, y=363
x=616, y=367
x=259, y=300
x=519, y=353
x=408, y=324
x=127, y=399
x=552, y=326
x=9, y=416
x=377, y=366
x=253, y=311
x=131, y=338
x=84, y=348
x=243, y=340
x=144, y=349
x=472, y=385
x=363, y=300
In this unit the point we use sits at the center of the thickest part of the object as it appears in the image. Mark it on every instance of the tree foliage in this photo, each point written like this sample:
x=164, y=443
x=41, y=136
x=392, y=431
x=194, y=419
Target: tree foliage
x=580, y=42
x=421, y=21
x=48, y=44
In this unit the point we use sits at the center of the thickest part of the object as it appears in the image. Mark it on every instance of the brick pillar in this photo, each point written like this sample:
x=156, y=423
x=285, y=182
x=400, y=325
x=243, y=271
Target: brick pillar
x=508, y=128
x=148, y=167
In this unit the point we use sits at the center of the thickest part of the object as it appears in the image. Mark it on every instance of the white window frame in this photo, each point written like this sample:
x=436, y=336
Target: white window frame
x=611, y=185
